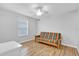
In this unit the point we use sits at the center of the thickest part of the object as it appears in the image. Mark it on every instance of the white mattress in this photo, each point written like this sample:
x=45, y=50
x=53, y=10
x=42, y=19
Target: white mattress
x=7, y=46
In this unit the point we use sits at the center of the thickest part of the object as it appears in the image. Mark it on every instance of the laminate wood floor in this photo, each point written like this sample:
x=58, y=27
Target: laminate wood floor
x=40, y=49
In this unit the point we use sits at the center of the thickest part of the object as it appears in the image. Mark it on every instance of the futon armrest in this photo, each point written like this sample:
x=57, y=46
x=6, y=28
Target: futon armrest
x=37, y=36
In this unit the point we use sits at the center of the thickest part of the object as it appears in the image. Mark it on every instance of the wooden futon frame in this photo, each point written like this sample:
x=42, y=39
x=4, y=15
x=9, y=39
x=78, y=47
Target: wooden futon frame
x=49, y=38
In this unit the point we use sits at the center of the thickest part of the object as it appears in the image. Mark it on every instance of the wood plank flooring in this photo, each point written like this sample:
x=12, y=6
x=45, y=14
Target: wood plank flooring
x=40, y=49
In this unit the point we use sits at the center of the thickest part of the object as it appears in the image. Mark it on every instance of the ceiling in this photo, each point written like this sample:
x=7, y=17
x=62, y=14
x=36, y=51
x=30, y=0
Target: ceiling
x=53, y=8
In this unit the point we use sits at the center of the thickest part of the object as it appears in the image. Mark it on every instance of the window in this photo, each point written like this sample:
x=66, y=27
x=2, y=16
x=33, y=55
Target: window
x=22, y=26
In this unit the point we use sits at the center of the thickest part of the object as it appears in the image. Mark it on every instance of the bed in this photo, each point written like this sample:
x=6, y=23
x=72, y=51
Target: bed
x=11, y=48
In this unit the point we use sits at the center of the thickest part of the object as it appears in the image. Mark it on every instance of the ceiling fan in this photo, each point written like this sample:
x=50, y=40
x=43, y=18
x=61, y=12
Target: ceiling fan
x=40, y=9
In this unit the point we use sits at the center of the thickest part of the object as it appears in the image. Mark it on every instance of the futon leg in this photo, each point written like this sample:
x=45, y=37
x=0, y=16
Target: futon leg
x=58, y=44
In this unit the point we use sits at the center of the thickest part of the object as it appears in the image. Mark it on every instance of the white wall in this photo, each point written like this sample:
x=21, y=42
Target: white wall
x=67, y=24
x=8, y=26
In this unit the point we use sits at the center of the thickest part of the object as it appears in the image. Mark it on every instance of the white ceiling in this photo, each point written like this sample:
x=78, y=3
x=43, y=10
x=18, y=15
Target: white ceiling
x=53, y=8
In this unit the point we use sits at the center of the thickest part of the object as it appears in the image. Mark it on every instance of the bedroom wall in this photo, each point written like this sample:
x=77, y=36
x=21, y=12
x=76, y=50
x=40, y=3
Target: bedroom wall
x=8, y=26
x=67, y=24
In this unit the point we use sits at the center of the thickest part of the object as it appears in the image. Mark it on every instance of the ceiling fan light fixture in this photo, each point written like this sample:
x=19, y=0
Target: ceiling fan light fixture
x=39, y=13
x=40, y=10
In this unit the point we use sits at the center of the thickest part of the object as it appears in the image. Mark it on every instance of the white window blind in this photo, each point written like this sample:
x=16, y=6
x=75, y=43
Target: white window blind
x=22, y=26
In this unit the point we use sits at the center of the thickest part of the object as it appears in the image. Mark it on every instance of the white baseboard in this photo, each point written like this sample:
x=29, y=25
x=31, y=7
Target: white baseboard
x=27, y=40
x=69, y=45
